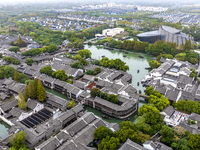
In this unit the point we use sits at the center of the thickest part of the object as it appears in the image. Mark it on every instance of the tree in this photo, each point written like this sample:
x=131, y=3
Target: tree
x=147, y=108
x=97, y=70
x=14, y=49
x=113, y=98
x=16, y=76
x=182, y=144
x=11, y=60
x=102, y=132
x=181, y=56
x=41, y=93
x=149, y=90
x=20, y=42
x=188, y=106
x=95, y=92
x=77, y=65
x=19, y=39
x=77, y=57
x=84, y=53
x=169, y=56
x=31, y=90
x=167, y=135
x=52, y=48
x=17, y=140
x=194, y=141
x=21, y=101
x=193, y=60
x=89, y=72
x=109, y=143
x=35, y=85
x=60, y=74
x=160, y=103
x=154, y=64
x=29, y=61
x=1, y=55
x=71, y=104
x=47, y=70
x=150, y=122
x=26, y=93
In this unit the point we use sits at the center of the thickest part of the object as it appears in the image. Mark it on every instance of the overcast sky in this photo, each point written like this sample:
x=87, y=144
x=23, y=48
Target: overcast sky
x=83, y=1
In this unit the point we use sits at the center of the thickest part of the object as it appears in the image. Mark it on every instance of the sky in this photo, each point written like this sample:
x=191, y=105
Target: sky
x=131, y=1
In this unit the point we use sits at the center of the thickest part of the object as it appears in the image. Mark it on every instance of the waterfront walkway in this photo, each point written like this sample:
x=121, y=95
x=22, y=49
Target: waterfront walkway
x=144, y=96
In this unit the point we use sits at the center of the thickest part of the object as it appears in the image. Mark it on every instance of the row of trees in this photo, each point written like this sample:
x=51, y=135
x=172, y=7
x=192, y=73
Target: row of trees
x=183, y=52
x=59, y=74
x=117, y=64
x=111, y=98
x=188, y=106
x=34, y=90
x=37, y=51
x=11, y=60
x=126, y=44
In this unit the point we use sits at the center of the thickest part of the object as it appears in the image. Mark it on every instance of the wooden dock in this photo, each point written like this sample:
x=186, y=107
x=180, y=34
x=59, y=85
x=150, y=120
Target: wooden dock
x=144, y=96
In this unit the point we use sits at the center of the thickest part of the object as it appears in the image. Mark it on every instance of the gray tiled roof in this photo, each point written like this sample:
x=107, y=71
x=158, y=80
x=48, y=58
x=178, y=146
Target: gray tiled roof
x=75, y=127
x=161, y=146
x=130, y=145
x=169, y=110
x=89, y=117
x=9, y=105
x=79, y=84
x=31, y=104
x=185, y=79
x=172, y=95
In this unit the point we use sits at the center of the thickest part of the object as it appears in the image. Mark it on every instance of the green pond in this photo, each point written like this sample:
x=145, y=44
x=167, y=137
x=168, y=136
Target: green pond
x=4, y=129
x=133, y=61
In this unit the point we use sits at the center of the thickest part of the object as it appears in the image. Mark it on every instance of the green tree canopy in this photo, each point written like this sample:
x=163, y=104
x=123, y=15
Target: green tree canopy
x=17, y=140
x=160, y=103
x=14, y=49
x=167, y=135
x=21, y=101
x=109, y=143
x=47, y=70
x=102, y=132
x=84, y=53
x=29, y=61
x=60, y=74
x=71, y=104
x=94, y=92
x=41, y=93
x=154, y=64
x=26, y=93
